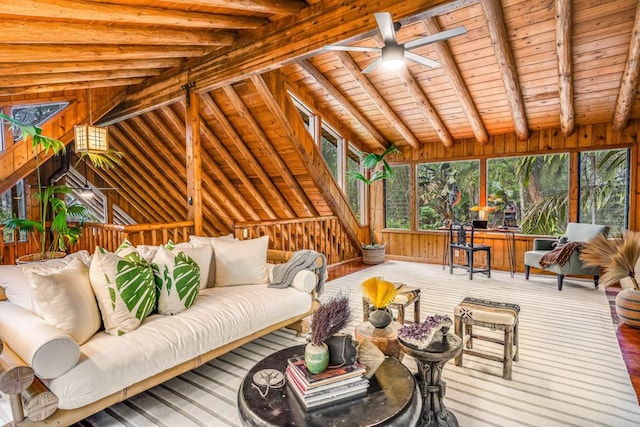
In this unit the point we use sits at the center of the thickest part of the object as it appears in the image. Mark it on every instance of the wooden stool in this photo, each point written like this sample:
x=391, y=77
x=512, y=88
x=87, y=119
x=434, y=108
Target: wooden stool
x=488, y=314
x=405, y=296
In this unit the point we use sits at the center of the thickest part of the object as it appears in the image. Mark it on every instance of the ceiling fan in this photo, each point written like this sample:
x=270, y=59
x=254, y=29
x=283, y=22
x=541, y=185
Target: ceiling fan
x=392, y=54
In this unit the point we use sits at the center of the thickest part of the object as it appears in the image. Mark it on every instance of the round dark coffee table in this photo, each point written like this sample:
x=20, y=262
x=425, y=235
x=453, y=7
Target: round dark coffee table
x=393, y=399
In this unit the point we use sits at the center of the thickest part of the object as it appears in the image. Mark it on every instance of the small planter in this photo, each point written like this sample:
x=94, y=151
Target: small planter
x=628, y=307
x=25, y=259
x=372, y=255
x=316, y=357
x=380, y=317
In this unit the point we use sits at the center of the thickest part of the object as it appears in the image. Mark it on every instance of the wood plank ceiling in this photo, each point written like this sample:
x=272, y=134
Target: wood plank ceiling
x=522, y=65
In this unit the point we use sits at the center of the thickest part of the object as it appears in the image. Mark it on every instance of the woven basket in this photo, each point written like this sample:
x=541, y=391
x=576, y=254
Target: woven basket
x=373, y=255
x=628, y=307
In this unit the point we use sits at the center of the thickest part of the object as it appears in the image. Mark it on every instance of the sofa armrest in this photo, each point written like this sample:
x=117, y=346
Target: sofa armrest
x=543, y=244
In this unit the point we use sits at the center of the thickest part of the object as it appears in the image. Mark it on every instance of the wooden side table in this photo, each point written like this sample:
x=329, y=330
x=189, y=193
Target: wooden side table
x=386, y=339
x=431, y=361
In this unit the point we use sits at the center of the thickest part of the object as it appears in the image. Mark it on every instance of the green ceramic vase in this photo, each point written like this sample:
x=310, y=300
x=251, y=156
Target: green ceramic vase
x=316, y=357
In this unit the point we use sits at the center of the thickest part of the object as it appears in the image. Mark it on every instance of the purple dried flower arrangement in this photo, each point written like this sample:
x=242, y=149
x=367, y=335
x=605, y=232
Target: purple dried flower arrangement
x=421, y=334
x=330, y=318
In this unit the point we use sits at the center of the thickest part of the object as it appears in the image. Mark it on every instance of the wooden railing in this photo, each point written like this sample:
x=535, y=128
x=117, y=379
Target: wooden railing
x=322, y=234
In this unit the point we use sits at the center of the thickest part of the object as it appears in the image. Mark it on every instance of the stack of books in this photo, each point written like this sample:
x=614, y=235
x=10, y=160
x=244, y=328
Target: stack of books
x=332, y=386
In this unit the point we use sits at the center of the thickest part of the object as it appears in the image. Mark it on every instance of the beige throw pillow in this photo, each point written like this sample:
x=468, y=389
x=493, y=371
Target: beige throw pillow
x=241, y=262
x=66, y=300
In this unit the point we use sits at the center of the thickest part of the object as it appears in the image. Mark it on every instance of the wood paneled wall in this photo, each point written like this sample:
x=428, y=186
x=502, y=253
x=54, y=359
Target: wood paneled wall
x=428, y=246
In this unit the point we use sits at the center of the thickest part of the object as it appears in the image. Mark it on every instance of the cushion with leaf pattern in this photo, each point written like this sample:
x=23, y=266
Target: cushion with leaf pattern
x=125, y=290
x=177, y=279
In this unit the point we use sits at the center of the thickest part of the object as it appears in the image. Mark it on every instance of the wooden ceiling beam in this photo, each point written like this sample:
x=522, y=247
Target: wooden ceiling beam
x=272, y=46
x=629, y=83
x=215, y=200
x=461, y=90
x=314, y=163
x=79, y=10
x=18, y=68
x=271, y=151
x=218, y=175
x=9, y=81
x=344, y=102
x=25, y=90
x=500, y=40
x=238, y=171
x=30, y=32
x=248, y=156
x=369, y=89
x=91, y=53
x=276, y=7
x=423, y=104
x=564, y=23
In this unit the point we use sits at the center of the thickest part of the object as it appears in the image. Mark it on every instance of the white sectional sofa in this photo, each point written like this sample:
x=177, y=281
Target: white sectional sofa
x=110, y=368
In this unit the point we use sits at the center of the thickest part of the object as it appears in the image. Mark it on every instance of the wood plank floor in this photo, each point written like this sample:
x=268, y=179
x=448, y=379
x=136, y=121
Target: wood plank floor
x=628, y=338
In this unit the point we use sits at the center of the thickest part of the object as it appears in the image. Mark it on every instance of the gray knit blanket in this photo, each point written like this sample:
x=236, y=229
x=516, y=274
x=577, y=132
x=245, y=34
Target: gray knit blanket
x=305, y=259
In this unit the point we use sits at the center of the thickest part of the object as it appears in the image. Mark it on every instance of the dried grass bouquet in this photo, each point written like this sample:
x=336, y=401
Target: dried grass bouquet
x=332, y=316
x=617, y=257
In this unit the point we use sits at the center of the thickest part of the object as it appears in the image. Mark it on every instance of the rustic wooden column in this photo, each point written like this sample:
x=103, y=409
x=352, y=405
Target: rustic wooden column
x=194, y=159
x=574, y=186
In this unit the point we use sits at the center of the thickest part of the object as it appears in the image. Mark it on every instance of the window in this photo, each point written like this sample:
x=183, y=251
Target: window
x=13, y=205
x=329, y=143
x=538, y=186
x=305, y=113
x=355, y=195
x=35, y=115
x=447, y=191
x=397, y=198
x=604, y=188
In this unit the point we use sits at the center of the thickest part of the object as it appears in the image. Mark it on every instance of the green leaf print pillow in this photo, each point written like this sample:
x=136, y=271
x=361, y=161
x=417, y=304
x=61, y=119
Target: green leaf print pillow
x=177, y=279
x=124, y=288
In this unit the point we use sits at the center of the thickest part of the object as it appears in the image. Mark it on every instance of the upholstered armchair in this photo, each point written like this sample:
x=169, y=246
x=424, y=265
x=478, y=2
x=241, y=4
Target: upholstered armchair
x=575, y=233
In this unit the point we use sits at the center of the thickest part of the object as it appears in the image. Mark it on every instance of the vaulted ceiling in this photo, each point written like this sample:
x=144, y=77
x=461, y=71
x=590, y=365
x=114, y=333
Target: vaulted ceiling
x=523, y=65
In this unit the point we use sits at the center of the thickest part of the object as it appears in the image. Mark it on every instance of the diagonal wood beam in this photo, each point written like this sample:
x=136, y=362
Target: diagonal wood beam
x=227, y=191
x=17, y=31
x=565, y=65
x=277, y=7
x=123, y=14
x=25, y=90
x=344, y=102
x=272, y=46
x=420, y=98
x=629, y=83
x=500, y=40
x=19, y=68
x=248, y=156
x=369, y=89
x=271, y=151
x=13, y=81
x=314, y=163
x=92, y=53
x=461, y=90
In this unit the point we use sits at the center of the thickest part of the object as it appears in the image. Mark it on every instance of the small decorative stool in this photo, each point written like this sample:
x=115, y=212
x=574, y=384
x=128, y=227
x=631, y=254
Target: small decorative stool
x=488, y=314
x=405, y=296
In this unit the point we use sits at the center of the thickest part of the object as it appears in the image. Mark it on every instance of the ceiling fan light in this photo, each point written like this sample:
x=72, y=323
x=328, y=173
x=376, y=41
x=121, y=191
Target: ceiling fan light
x=392, y=57
x=87, y=193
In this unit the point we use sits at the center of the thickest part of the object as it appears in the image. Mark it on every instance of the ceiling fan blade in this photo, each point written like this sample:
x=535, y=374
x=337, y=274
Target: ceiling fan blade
x=421, y=59
x=443, y=35
x=372, y=66
x=385, y=24
x=352, y=48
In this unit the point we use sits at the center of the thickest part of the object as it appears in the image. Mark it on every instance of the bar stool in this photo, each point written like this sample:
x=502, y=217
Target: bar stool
x=473, y=312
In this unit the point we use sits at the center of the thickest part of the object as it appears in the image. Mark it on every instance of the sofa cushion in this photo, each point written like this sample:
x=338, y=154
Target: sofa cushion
x=65, y=299
x=241, y=262
x=579, y=232
x=177, y=278
x=203, y=256
x=125, y=290
x=207, y=241
x=47, y=349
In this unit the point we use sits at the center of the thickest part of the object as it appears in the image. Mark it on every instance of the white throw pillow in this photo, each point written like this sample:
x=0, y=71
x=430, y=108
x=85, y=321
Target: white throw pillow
x=125, y=248
x=177, y=279
x=241, y=262
x=204, y=241
x=203, y=256
x=147, y=252
x=125, y=290
x=66, y=300
x=208, y=240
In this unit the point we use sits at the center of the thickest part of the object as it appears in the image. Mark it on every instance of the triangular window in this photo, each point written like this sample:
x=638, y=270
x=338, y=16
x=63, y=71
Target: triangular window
x=35, y=115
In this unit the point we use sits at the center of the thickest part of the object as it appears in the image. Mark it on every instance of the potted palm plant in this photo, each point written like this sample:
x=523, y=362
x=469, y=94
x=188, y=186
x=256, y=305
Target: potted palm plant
x=55, y=228
x=378, y=169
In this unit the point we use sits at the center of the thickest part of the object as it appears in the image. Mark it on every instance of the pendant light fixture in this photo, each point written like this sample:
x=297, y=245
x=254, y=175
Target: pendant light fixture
x=91, y=138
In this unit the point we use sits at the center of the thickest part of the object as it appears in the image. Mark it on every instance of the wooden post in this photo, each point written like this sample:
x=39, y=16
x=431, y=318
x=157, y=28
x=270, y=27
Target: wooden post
x=194, y=159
